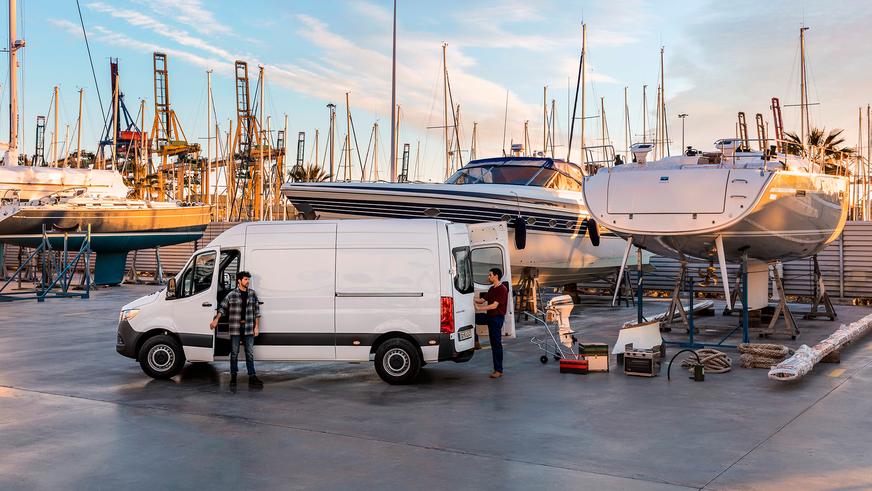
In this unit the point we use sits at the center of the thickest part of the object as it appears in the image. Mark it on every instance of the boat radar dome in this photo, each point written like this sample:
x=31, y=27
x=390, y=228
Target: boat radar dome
x=728, y=146
x=640, y=151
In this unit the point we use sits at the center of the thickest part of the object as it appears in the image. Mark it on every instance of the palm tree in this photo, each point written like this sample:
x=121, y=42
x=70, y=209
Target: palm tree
x=309, y=173
x=821, y=147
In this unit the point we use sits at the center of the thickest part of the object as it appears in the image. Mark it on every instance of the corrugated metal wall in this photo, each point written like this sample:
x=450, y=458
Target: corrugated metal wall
x=846, y=264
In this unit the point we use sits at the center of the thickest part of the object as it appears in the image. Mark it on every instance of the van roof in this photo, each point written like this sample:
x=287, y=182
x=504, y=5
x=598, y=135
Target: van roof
x=235, y=236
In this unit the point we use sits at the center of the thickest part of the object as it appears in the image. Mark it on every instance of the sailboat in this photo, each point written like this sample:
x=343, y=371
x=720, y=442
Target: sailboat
x=730, y=205
x=61, y=204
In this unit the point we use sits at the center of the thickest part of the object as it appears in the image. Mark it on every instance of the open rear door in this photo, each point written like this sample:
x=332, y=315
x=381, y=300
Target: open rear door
x=489, y=245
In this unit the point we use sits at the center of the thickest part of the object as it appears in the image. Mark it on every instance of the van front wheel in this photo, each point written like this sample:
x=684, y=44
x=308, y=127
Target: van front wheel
x=161, y=357
x=397, y=361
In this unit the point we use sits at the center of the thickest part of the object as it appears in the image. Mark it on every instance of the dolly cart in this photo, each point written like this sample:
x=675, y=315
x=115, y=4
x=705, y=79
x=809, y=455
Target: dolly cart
x=560, y=341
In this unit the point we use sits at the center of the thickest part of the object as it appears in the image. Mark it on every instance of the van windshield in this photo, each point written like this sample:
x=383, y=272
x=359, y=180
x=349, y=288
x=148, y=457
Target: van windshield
x=463, y=277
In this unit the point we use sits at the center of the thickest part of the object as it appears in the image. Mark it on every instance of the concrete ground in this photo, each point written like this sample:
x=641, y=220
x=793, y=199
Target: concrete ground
x=74, y=414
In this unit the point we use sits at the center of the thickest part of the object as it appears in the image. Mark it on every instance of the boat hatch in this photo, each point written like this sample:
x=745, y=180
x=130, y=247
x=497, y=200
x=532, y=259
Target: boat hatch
x=670, y=191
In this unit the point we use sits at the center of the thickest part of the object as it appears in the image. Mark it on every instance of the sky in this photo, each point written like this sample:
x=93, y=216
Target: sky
x=718, y=60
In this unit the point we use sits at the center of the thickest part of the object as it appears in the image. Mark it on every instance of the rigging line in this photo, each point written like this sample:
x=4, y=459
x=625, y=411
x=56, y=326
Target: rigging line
x=454, y=119
x=356, y=147
x=91, y=60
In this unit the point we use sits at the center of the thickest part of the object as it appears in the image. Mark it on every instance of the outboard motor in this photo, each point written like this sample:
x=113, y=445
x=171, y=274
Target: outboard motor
x=640, y=151
x=558, y=310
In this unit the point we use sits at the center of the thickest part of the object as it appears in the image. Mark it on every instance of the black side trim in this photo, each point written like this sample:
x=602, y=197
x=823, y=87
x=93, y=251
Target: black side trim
x=196, y=340
x=125, y=343
x=330, y=339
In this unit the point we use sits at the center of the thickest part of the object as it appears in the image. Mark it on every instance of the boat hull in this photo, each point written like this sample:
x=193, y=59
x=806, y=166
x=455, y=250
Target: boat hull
x=114, y=232
x=768, y=215
x=556, y=246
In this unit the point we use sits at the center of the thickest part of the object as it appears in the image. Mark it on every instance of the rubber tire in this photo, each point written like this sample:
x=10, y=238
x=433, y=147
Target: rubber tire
x=543, y=359
x=162, y=342
x=403, y=346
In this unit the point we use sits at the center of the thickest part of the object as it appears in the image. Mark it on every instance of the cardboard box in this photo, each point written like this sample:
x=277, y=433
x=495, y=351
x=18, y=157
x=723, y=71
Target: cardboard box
x=597, y=363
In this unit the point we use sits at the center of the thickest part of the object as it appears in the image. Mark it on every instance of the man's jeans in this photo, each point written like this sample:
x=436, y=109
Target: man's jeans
x=249, y=353
x=495, y=333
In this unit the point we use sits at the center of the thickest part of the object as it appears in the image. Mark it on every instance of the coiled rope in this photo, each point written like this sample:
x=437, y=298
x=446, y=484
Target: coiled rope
x=762, y=355
x=714, y=361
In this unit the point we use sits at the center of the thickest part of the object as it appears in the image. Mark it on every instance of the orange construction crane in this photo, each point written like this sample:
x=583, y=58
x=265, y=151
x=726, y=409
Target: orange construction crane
x=168, y=140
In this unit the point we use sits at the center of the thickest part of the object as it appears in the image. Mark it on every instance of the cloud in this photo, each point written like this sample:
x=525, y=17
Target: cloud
x=138, y=19
x=191, y=13
x=101, y=34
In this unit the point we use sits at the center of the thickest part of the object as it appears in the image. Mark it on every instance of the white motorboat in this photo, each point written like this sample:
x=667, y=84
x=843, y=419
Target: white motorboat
x=542, y=192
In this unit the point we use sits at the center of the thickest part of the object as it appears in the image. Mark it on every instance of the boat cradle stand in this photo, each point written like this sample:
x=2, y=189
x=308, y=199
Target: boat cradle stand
x=821, y=297
x=57, y=270
x=781, y=309
x=133, y=273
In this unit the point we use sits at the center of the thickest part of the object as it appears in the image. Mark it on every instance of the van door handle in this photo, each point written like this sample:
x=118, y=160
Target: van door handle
x=207, y=304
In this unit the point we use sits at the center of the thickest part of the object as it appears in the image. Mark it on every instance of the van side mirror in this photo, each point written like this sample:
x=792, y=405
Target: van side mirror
x=171, y=289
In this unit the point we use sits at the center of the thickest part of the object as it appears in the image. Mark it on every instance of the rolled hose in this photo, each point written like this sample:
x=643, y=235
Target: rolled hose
x=669, y=369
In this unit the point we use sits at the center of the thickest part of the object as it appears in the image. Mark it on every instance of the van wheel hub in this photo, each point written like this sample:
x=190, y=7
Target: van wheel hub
x=397, y=362
x=161, y=357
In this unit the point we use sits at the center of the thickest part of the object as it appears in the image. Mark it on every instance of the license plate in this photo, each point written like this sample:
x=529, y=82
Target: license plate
x=465, y=334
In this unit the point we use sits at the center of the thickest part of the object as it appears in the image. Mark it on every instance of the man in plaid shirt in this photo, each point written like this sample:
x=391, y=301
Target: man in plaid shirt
x=243, y=310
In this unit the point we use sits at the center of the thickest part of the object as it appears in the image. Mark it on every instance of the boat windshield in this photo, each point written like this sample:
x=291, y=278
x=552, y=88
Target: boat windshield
x=533, y=172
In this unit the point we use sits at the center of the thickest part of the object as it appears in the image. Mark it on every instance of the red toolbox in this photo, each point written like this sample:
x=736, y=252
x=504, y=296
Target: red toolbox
x=572, y=365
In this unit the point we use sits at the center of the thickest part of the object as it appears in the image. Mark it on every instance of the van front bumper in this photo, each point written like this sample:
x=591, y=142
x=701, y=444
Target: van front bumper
x=447, y=352
x=125, y=344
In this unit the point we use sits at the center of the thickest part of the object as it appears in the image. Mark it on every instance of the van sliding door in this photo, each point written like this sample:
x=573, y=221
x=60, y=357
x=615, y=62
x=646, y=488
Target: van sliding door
x=293, y=271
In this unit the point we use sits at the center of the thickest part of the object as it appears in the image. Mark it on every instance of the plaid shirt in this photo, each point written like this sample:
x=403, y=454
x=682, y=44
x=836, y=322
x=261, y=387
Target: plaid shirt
x=231, y=306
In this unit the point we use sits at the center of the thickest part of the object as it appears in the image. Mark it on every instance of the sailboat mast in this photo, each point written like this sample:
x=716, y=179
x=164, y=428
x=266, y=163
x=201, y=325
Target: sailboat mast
x=445, y=110
x=628, y=138
x=604, y=125
x=394, y=100
x=544, y=120
x=79, y=131
x=803, y=89
x=209, y=133
x=472, y=149
x=14, y=45
x=583, y=83
x=644, y=113
x=664, y=130
x=348, y=168
x=54, y=135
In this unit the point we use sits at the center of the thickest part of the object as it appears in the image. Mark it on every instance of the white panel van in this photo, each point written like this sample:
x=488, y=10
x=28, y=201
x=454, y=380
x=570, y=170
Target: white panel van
x=396, y=292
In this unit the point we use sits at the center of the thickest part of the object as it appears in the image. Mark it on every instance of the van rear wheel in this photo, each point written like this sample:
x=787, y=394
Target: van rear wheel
x=161, y=357
x=397, y=361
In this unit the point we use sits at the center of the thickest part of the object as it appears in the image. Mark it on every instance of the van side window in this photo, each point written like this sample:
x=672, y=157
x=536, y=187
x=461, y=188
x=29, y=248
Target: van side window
x=197, y=277
x=463, y=279
x=483, y=260
x=229, y=266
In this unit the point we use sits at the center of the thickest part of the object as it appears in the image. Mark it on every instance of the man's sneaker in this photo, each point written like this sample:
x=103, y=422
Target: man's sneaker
x=233, y=380
x=253, y=381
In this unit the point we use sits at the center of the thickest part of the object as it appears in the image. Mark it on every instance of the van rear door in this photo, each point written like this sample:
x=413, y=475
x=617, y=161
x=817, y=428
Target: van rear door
x=489, y=245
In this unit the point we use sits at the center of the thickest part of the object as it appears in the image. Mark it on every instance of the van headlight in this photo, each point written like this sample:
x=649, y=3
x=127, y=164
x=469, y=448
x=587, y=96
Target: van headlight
x=126, y=315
